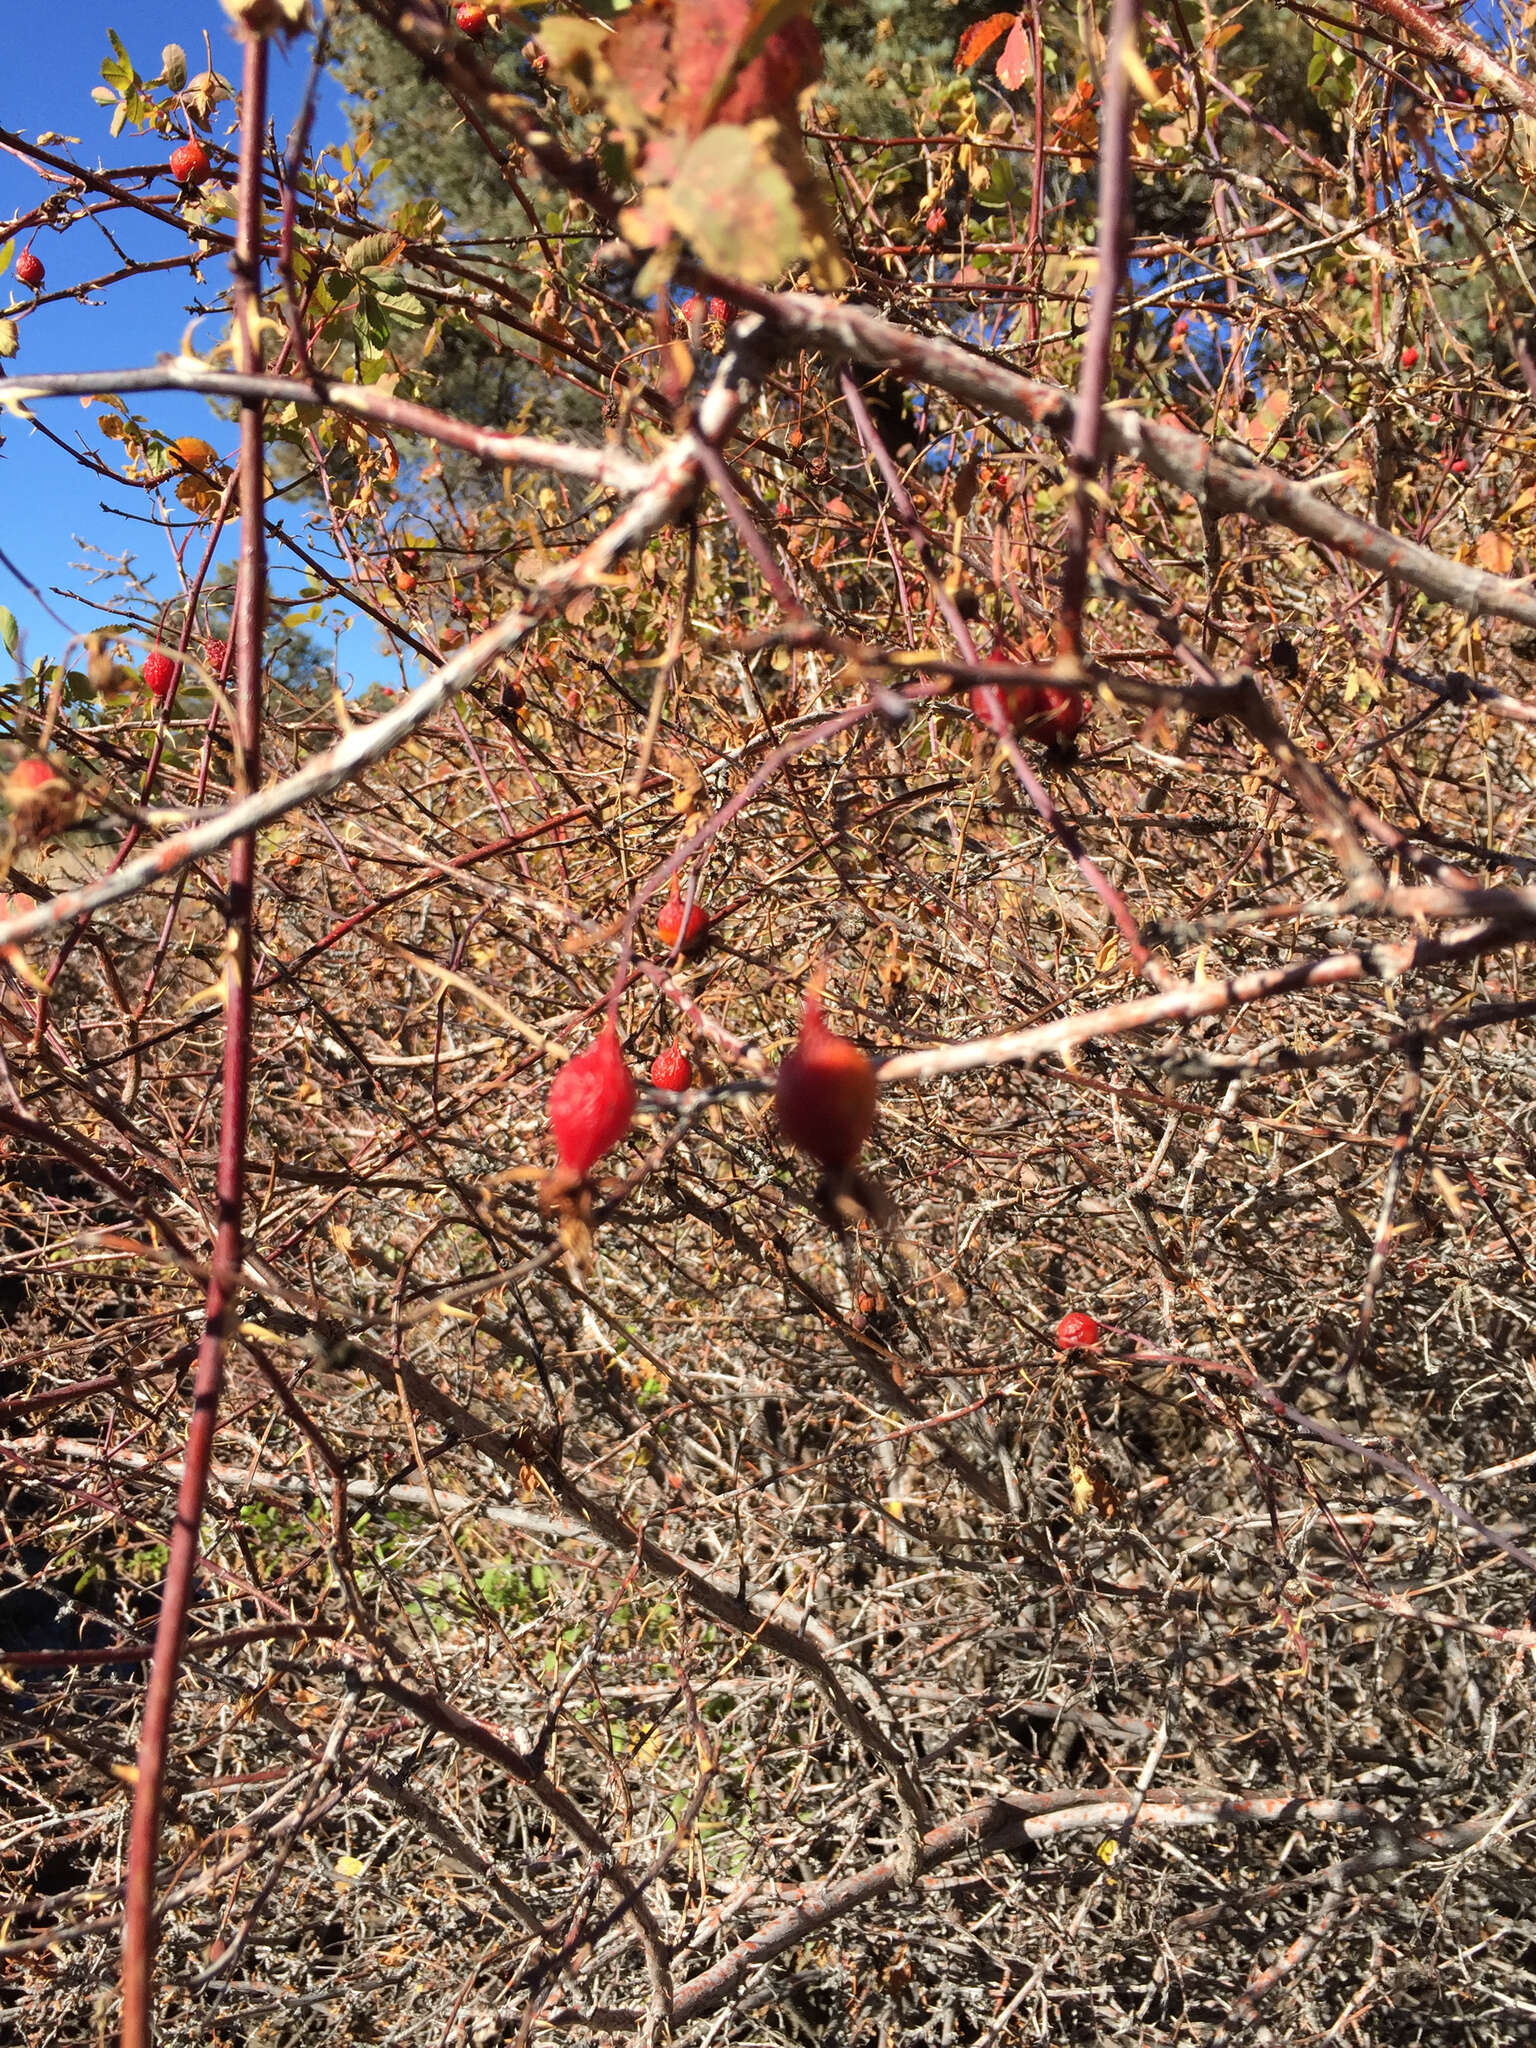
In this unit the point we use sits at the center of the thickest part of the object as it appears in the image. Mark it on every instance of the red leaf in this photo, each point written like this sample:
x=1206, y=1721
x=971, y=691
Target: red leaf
x=980, y=37
x=671, y=54
x=1014, y=67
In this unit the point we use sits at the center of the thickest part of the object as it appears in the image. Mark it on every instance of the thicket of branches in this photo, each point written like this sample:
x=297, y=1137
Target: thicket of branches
x=710, y=1605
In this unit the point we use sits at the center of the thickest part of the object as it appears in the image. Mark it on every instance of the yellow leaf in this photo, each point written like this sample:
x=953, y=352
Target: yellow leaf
x=212, y=997
x=1140, y=76
x=1269, y=418
x=1495, y=553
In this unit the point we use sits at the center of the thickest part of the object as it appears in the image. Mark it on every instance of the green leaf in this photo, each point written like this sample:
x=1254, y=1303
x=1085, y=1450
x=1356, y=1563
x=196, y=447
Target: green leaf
x=735, y=204
x=173, y=67
x=118, y=70
x=370, y=252
x=10, y=632
x=403, y=307
x=371, y=322
x=418, y=220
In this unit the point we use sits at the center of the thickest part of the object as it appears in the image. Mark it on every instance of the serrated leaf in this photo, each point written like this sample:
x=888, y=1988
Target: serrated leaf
x=10, y=338
x=1015, y=66
x=403, y=307
x=979, y=38
x=370, y=252
x=735, y=204
x=10, y=632
x=118, y=69
x=173, y=67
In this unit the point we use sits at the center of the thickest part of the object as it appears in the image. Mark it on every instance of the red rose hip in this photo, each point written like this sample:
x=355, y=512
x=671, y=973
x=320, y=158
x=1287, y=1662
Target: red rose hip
x=825, y=1093
x=1031, y=711
x=1076, y=1332
x=591, y=1103
x=672, y=1070
x=32, y=773
x=189, y=163
x=1014, y=705
x=38, y=798
x=1062, y=714
x=687, y=930
x=159, y=675
x=29, y=270
x=472, y=20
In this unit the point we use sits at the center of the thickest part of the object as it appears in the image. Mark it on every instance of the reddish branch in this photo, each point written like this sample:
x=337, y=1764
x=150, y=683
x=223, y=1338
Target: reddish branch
x=139, y=1925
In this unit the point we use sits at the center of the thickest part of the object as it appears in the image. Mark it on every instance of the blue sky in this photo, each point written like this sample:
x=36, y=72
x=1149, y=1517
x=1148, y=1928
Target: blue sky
x=48, y=503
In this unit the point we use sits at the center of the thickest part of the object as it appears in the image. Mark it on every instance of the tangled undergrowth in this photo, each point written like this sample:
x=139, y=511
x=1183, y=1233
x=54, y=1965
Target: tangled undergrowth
x=722, y=1605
